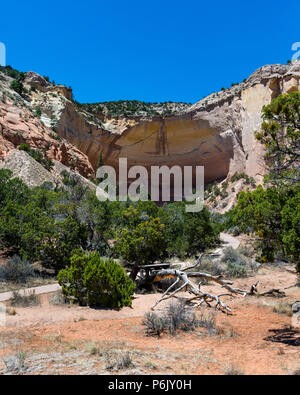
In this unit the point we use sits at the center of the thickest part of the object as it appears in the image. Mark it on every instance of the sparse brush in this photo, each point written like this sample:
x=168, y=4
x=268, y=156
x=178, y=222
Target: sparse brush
x=213, y=268
x=16, y=270
x=119, y=361
x=233, y=371
x=207, y=320
x=29, y=300
x=246, y=251
x=236, y=263
x=15, y=363
x=92, y=348
x=283, y=308
x=180, y=318
x=177, y=318
x=155, y=325
x=58, y=298
x=235, y=270
x=230, y=255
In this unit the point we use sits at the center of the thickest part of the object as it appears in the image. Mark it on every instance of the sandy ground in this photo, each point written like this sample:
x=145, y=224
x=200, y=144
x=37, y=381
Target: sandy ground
x=81, y=340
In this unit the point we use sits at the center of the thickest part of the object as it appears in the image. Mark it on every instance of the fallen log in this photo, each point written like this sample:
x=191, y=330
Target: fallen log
x=198, y=297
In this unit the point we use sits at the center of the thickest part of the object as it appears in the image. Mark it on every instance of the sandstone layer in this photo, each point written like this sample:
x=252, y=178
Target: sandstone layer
x=217, y=132
x=19, y=124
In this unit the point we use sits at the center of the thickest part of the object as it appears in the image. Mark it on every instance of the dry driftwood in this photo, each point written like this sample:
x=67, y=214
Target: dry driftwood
x=198, y=297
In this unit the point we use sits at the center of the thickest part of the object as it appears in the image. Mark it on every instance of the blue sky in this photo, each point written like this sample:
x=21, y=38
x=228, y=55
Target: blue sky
x=148, y=50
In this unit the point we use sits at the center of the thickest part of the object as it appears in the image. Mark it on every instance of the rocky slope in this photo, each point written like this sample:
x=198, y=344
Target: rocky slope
x=23, y=166
x=19, y=124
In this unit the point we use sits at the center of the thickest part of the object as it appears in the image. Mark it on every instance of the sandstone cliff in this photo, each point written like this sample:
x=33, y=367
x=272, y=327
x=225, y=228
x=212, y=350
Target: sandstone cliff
x=217, y=132
x=19, y=124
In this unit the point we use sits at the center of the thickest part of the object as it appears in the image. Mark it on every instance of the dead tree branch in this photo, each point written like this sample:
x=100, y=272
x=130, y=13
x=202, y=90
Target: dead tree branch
x=199, y=297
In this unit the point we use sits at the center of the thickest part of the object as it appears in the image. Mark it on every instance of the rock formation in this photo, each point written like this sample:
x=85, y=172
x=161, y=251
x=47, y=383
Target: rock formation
x=19, y=124
x=23, y=166
x=217, y=132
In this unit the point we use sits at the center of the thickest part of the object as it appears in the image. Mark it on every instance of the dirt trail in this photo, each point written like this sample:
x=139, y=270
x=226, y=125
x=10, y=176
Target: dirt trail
x=44, y=289
x=227, y=241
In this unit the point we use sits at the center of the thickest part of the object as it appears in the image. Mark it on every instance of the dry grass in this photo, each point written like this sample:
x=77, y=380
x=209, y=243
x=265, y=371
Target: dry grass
x=283, y=308
x=92, y=348
x=29, y=300
x=231, y=370
x=118, y=361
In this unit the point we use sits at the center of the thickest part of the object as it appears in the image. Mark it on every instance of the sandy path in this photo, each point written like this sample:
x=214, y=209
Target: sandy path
x=44, y=289
x=227, y=241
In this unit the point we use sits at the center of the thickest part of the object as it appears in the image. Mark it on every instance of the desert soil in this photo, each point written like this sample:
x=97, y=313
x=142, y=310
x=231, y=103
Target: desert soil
x=80, y=340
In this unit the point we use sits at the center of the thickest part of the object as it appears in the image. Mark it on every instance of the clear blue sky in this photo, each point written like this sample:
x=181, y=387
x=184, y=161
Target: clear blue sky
x=156, y=50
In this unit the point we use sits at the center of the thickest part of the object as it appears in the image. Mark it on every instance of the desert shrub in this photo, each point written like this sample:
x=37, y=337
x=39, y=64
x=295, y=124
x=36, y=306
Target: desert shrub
x=38, y=112
x=284, y=308
x=37, y=155
x=26, y=300
x=246, y=251
x=230, y=255
x=92, y=348
x=16, y=270
x=211, y=267
x=69, y=179
x=207, y=320
x=96, y=282
x=236, y=264
x=119, y=361
x=58, y=298
x=233, y=371
x=178, y=317
x=17, y=86
x=235, y=270
x=234, y=230
x=15, y=363
x=155, y=325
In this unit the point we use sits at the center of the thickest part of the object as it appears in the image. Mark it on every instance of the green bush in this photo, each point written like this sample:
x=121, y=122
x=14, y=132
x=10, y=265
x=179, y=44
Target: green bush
x=144, y=243
x=96, y=282
x=17, y=86
x=274, y=215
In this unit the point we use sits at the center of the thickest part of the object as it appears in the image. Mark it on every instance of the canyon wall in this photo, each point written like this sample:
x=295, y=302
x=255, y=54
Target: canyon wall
x=217, y=132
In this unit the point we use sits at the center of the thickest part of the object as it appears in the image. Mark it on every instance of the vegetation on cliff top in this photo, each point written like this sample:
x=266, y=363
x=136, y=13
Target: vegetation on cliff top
x=133, y=108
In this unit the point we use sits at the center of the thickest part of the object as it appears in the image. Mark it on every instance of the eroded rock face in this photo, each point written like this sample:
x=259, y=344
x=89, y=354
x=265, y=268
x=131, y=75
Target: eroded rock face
x=217, y=132
x=33, y=174
x=35, y=80
x=23, y=166
x=18, y=125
